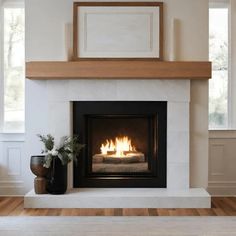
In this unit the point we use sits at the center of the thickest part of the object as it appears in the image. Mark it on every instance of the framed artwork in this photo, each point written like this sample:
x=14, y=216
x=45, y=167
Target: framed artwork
x=118, y=30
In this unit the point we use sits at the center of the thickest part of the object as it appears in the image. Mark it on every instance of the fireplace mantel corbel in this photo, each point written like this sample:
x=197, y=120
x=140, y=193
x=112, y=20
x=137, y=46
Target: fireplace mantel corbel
x=118, y=69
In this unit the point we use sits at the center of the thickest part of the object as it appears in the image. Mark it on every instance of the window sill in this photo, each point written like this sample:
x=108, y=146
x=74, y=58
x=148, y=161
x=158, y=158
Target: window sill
x=12, y=137
x=222, y=134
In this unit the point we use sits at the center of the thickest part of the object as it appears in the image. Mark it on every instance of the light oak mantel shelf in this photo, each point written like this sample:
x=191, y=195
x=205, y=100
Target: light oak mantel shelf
x=117, y=69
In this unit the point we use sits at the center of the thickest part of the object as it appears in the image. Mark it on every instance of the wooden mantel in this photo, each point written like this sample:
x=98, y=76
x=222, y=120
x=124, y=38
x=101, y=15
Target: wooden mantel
x=117, y=69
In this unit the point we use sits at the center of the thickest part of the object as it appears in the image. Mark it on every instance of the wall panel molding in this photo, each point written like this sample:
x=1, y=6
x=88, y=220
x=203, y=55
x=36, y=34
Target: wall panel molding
x=217, y=158
x=13, y=161
x=222, y=163
x=11, y=178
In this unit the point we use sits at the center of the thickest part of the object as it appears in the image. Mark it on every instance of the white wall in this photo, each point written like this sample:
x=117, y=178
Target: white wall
x=45, y=40
x=222, y=144
x=193, y=45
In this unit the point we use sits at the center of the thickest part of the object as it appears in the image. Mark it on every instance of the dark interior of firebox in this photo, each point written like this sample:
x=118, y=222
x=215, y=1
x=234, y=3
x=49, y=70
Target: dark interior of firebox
x=120, y=144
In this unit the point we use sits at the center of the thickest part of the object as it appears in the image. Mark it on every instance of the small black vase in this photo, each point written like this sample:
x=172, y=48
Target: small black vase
x=57, y=177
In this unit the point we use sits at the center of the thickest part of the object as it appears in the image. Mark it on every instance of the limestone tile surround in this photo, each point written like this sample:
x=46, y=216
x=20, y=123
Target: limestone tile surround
x=146, y=90
x=61, y=93
x=178, y=151
x=177, y=175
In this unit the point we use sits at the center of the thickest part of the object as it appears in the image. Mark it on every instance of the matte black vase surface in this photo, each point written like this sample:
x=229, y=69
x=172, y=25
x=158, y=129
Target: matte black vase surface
x=57, y=177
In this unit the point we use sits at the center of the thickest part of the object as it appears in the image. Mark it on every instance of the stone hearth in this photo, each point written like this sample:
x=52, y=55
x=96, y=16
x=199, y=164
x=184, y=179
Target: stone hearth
x=121, y=198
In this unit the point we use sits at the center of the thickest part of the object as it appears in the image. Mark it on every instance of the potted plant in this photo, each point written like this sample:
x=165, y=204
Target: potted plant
x=56, y=160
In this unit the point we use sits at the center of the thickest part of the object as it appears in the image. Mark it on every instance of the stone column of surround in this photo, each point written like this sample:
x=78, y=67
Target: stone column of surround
x=176, y=92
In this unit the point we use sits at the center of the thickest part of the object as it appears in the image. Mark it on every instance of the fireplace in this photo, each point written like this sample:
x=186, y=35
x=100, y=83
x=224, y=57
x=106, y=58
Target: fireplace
x=125, y=143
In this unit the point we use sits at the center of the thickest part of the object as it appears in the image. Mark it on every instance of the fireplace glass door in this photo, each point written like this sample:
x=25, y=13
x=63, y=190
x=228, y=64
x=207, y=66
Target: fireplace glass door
x=121, y=144
x=125, y=144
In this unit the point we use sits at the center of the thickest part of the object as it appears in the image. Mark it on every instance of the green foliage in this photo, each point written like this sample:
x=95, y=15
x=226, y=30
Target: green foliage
x=67, y=151
x=48, y=141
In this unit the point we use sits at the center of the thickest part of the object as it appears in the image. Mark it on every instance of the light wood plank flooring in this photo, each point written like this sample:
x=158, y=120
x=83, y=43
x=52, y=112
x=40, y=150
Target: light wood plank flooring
x=14, y=206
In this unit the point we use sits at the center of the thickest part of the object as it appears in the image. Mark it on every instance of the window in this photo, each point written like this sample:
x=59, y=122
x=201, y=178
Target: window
x=219, y=54
x=13, y=55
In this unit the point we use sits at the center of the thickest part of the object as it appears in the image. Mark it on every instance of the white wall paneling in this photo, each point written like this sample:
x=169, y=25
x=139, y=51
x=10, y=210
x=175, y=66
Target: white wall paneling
x=217, y=157
x=11, y=171
x=13, y=154
x=222, y=163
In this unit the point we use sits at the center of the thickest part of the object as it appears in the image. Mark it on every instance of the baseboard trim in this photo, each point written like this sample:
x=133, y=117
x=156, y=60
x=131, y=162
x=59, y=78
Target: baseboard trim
x=12, y=188
x=222, y=188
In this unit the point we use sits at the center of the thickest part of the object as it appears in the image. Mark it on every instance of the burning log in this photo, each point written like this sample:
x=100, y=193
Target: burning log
x=118, y=151
x=134, y=157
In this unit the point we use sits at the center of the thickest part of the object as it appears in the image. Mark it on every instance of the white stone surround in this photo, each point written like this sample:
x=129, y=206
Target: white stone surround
x=60, y=94
x=121, y=198
x=176, y=93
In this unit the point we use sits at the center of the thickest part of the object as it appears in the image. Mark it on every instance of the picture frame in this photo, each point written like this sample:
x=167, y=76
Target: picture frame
x=118, y=30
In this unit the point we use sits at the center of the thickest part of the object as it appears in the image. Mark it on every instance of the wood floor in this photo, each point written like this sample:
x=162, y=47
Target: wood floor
x=222, y=206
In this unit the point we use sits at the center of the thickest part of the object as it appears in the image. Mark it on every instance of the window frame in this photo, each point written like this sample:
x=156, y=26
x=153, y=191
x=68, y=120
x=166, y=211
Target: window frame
x=3, y=5
x=214, y=4
x=1, y=69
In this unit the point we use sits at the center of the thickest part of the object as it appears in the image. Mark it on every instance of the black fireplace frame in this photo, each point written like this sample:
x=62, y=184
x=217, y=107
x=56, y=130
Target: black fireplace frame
x=83, y=111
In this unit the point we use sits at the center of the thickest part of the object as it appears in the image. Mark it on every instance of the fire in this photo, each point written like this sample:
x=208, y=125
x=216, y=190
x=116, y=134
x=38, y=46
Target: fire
x=118, y=148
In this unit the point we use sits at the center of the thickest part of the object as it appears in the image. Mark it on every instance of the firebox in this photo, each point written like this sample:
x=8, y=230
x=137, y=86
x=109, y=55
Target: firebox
x=125, y=143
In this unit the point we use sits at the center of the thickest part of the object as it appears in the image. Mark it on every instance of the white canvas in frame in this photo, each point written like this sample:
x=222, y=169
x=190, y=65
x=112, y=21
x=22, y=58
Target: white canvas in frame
x=118, y=32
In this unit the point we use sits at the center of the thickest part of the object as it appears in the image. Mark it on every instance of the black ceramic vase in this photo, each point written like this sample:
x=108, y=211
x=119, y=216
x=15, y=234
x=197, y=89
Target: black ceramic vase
x=57, y=177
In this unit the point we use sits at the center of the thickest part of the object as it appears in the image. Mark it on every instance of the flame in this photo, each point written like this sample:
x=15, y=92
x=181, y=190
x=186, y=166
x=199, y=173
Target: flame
x=119, y=146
